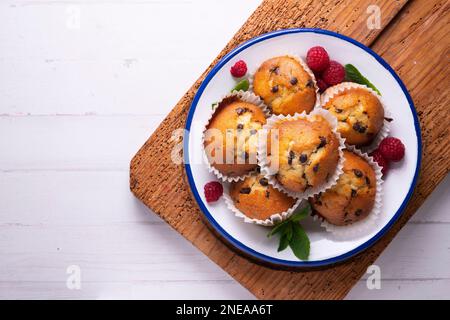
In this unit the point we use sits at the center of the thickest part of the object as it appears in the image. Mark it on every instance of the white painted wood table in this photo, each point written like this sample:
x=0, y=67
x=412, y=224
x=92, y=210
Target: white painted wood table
x=82, y=86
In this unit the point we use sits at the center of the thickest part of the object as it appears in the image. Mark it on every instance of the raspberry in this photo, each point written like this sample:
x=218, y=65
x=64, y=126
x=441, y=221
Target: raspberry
x=239, y=69
x=392, y=149
x=317, y=59
x=382, y=162
x=317, y=74
x=213, y=191
x=334, y=74
x=322, y=85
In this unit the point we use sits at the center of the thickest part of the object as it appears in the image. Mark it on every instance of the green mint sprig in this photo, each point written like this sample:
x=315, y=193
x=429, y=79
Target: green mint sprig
x=243, y=85
x=292, y=234
x=352, y=74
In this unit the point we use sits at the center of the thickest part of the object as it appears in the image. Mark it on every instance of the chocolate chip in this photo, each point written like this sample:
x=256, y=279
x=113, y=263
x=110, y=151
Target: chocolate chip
x=309, y=83
x=267, y=193
x=359, y=127
x=337, y=110
x=240, y=126
x=275, y=88
x=275, y=69
x=245, y=190
x=263, y=181
x=316, y=168
x=357, y=173
x=368, y=181
x=388, y=119
x=303, y=158
x=318, y=202
x=293, y=81
x=258, y=169
x=358, y=212
x=291, y=157
x=240, y=111
x=353, y=193
x=323, y=142
x=253, y=131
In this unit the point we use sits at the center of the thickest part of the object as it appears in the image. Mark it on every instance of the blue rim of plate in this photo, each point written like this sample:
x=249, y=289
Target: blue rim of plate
x=236, y=243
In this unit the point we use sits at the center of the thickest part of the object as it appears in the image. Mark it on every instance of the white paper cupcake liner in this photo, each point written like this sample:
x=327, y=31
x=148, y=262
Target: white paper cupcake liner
x=271, y=221
x=245, y=96
x=264, y=162
x=384, y=131
x=365, y=226
x=307, y=69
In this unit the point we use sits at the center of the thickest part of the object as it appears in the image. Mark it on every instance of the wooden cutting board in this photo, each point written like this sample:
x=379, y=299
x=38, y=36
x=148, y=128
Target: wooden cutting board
x=412, y=38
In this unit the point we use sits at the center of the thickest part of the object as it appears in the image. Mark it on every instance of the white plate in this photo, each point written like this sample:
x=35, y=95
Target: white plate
x=399, y=183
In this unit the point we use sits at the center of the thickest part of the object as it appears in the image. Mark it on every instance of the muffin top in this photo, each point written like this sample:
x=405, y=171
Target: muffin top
x=353, y=197
x=257, y=199
x=360, y=115
x=285, y=86
x=308, y=153
x=231, y=138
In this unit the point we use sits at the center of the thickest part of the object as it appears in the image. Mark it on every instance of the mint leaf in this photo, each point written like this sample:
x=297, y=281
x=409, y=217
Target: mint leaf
x=352, y=74
x=289, y=231
x=293, y=235
x=278, y=228
x=243, y=85
x=284, y=242
x=299, y=243
x=300, y=214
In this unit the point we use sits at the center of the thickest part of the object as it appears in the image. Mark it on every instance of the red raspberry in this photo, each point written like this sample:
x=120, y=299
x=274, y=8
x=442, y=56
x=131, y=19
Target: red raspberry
x=213, y=191
x=317, y=59
x=317, y=74
x=239, y=69
x=322, y=85
x=334, y=74
x=392, y=149
x=382, y=162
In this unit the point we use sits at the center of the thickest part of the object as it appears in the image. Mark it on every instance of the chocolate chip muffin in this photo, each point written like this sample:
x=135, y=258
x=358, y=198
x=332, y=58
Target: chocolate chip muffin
x=353, y=197
x=285, y=86
x=231, y=139
x=257, y=199
x=308, y=153
x=359, y=112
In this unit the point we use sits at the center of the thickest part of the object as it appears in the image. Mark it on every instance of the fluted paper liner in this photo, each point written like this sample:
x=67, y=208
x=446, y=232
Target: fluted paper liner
x=264, y=162
x=365, y=226
x=245, y=96
x=384, y=131
x=271, y=221
x=305, y=67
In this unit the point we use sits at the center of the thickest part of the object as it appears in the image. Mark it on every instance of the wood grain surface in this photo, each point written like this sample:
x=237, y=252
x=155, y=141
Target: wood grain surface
x=161, y=185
